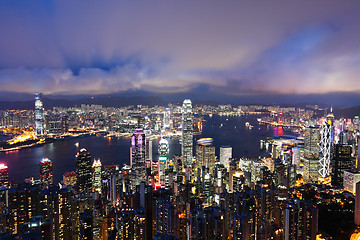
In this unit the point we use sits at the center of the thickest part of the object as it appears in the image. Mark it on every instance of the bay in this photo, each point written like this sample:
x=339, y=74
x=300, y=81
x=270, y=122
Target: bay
x=224, y=131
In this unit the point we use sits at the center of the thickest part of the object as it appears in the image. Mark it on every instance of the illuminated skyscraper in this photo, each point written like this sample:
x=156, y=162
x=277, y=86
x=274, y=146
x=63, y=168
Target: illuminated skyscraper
x=163, y=159
x=205, y=154
x=97, y=175
x=325, y=147
x=53, y=124
x=167, y=118
x=341, y=162
x=138, y=155
x=46, y=171
x=296, y=156
x=4, y=175
x=187, y=133
x=39, y=119
x=311, y=154
x=83, y=171
x=225, y=155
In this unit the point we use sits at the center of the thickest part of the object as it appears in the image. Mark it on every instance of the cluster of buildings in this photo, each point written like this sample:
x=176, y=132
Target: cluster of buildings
x=197, y=195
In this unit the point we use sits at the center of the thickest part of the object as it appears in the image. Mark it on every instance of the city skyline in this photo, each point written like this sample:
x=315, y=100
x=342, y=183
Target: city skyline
x=246, y=172
x=180, y=120
x=241, y=49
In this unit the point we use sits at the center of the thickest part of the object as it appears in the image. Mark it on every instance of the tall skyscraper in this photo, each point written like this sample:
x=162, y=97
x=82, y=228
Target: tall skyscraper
x=187, y=133
x=325, y=147
x=83, y=171
x=97, y=175
x=163, y=160
x=225, y=156
x=311, y=154
x=138, y=155
x=167, y=118
x=46, y=171
x=340, y=163
x=205, y=154
x=4, y=175
x=39, y=119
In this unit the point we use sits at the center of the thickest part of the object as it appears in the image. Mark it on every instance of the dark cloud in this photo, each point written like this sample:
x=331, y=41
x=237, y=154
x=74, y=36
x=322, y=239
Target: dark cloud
x=175, y=46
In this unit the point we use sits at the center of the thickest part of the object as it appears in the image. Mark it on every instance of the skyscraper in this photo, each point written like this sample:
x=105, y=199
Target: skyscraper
x=39, y=119
x=340, y=163
x=325, y=147
x=167, y=118
x=64, y=124
x=4, y=175
x=46, y=171
x=311, y=154
x=225, y=155
x=205, y=154
x=97, y=175
x=53, y=124
x=187, y=133
x=83, y=171
x=163, y=159
x=138, y=155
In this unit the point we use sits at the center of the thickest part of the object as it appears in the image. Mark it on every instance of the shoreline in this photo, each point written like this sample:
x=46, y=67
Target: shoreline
x=46, y=140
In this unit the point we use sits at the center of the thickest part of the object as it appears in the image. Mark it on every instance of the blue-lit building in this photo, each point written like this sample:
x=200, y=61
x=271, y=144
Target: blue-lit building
x=39, y=119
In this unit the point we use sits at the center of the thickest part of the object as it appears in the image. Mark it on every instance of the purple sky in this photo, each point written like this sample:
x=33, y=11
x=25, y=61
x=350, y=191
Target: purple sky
x=235, y=47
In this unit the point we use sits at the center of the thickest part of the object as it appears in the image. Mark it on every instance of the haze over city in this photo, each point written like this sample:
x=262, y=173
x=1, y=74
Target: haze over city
x=235, y=48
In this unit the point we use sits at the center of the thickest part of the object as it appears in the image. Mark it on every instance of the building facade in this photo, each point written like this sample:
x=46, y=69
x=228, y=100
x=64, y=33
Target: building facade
x=187, y=133
x=83, y=171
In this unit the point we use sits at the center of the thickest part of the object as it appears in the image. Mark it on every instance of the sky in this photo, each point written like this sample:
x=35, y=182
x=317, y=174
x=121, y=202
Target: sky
x=233, y=47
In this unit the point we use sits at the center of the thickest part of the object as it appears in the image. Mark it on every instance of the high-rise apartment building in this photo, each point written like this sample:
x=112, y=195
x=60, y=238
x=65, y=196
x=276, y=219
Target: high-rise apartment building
x=39, y=118
x=187, y=133
x=46, y=171
x=83, y=171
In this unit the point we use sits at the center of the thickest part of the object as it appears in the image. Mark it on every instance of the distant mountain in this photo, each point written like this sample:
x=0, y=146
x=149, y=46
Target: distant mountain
x=15, y=97
x=109, y=101
x=202, y=94
x=349, y=112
